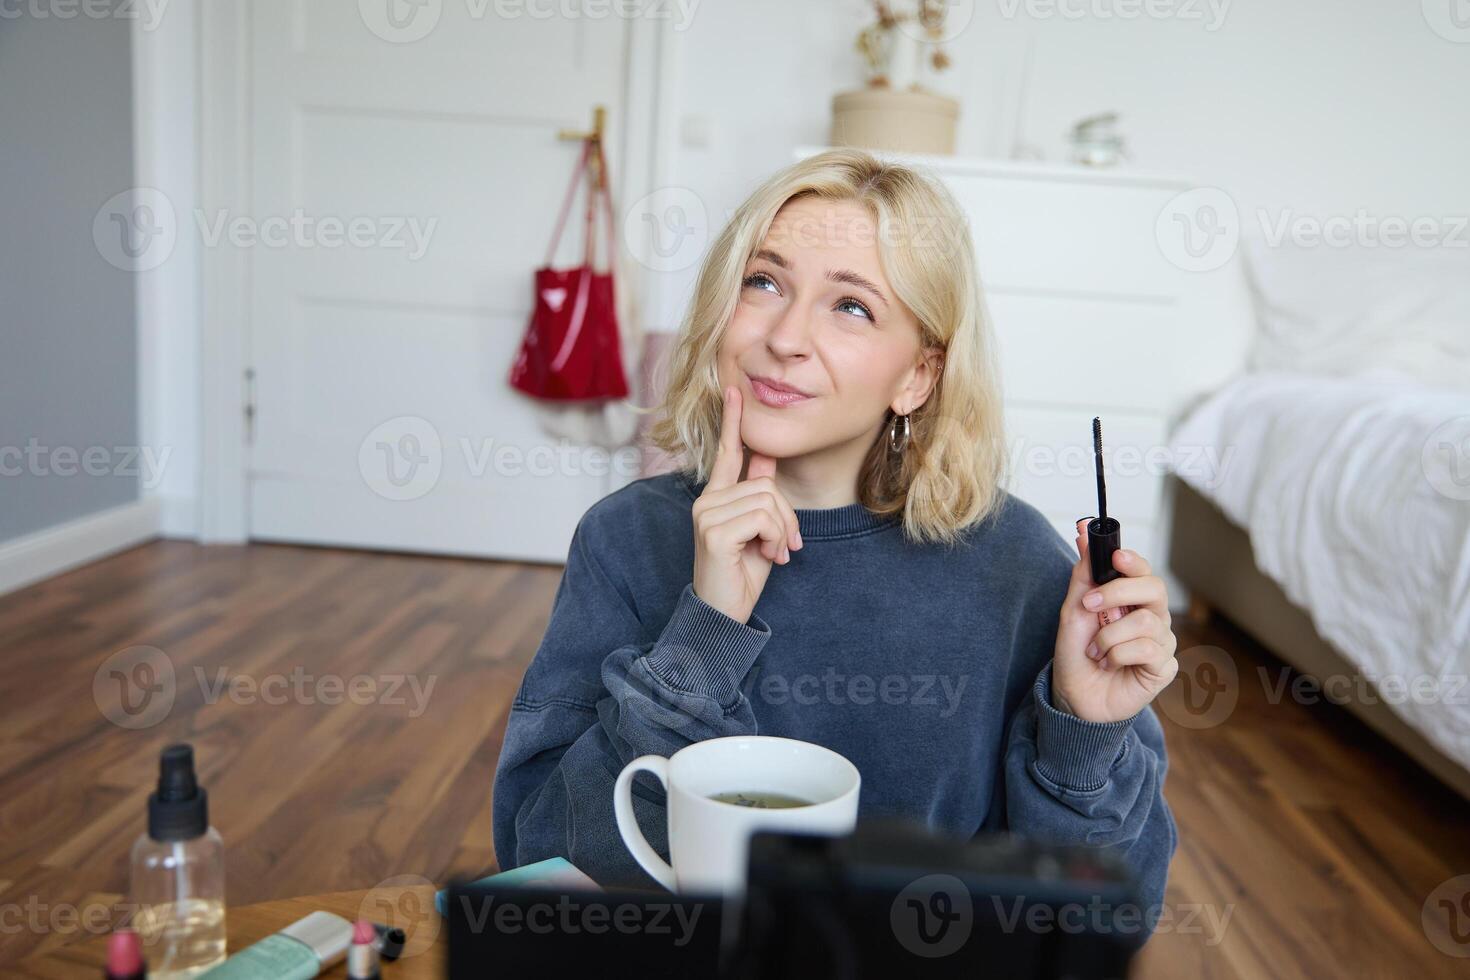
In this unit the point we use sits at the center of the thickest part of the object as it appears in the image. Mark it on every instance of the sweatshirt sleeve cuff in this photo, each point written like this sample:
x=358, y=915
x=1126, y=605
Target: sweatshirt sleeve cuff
x=704, y=651
x=1075, y=754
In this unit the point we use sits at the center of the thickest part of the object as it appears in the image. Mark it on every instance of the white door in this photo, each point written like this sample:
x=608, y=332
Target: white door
x=405, y=176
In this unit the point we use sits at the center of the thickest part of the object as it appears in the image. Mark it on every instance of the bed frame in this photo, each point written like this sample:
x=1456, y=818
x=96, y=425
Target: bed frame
x=1212, y=557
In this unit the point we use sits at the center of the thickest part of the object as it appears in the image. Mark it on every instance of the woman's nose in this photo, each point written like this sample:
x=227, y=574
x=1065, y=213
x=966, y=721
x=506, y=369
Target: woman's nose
x=790, y=334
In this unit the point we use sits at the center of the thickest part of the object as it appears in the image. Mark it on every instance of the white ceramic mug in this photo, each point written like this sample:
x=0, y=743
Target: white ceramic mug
x=708, y=839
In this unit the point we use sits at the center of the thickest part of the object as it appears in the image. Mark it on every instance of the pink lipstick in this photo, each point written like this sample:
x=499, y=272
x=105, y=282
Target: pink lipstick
x=125, y=956
x=362, y=956
x=775, y=394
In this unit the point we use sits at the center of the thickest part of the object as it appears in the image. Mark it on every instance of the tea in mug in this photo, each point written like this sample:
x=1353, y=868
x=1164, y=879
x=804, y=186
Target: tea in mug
x=761, y=801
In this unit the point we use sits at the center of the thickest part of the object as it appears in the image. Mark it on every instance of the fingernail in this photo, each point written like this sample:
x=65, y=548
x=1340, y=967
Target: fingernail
x=785, y=554
x=1123, y=556
x=798, y=539
x=1092, y=651
x=1092, y=600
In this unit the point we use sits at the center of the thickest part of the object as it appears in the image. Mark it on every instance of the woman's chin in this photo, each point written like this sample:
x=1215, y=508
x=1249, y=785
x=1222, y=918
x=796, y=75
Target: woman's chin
x=776, y=441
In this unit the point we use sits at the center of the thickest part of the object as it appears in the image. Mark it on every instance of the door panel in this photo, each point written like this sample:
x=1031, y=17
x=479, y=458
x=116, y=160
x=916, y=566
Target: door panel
x=403, y=191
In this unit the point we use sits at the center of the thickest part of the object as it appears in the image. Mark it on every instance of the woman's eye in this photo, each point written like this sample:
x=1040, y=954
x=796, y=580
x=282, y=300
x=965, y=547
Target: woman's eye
x=758, y=277
x=760, y=280
x=852, y=304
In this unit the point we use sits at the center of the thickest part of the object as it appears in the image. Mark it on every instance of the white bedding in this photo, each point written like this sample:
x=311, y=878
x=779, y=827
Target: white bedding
x=1356, y=494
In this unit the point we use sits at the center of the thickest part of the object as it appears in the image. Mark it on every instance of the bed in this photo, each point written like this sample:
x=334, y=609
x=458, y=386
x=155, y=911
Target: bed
x=1330, y=516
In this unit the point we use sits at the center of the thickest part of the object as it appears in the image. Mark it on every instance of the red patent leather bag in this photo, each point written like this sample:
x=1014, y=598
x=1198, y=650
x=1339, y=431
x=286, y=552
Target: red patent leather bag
x=571, y=351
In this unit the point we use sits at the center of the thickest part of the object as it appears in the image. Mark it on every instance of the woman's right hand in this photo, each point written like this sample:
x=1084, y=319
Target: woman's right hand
x=740, y=526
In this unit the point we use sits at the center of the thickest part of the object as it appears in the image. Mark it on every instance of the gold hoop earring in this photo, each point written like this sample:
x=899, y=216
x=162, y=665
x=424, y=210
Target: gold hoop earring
x=894, y=443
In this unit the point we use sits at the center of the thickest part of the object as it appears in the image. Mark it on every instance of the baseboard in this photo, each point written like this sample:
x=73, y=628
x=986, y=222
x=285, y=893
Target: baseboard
x=178, y=517
x=29, y=559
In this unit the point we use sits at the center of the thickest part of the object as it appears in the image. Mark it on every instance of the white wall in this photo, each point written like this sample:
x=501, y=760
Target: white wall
x=1323, y=107
x=1318, y=105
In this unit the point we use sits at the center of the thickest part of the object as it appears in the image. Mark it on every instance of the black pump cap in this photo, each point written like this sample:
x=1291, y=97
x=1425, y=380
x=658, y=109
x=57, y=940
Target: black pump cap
x=179, y=810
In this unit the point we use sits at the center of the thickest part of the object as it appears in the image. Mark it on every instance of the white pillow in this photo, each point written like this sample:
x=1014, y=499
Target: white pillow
x=1362, y=310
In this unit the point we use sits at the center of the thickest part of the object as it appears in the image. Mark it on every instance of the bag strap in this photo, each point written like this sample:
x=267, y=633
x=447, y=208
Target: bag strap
x=599, y=189
x=602, y=186
x=566, y=205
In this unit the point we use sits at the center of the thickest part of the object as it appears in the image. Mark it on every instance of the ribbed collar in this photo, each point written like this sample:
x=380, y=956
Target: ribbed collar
x=820, y=523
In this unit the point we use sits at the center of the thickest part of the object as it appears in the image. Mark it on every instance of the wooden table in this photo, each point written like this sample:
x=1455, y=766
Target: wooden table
x=411, y=908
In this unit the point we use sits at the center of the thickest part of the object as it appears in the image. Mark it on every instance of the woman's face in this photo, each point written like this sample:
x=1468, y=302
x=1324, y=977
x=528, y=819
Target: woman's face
x=816, y=314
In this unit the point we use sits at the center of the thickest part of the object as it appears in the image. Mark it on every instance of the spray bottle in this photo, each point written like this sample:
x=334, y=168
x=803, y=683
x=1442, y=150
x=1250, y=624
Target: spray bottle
x=178, y=874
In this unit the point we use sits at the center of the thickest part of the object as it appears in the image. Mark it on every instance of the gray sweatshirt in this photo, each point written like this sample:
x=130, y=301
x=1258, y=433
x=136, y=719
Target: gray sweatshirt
x=928, y=666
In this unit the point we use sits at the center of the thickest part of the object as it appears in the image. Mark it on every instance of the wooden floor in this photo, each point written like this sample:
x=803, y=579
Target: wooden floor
x=1307, y=847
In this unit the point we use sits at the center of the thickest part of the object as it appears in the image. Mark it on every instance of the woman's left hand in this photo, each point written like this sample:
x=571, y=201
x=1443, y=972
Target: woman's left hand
x=1112, y=673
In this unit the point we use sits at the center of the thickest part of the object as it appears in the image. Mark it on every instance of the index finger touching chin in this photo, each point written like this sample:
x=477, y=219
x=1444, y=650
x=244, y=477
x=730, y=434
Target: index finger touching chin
x=730, y=456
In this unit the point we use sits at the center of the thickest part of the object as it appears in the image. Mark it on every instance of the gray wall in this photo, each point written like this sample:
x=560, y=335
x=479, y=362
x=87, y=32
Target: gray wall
x=68, y=336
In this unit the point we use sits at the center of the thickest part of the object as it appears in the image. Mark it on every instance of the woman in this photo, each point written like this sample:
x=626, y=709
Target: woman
x=867, y=583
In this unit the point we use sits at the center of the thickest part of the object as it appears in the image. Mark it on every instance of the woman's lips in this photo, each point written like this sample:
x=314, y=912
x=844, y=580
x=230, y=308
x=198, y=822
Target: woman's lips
x=775, y=397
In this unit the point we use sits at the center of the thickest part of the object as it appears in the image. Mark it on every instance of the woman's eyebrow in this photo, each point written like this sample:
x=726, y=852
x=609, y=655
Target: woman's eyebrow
x=853, y=279
x=774, y=258
x=833, y=275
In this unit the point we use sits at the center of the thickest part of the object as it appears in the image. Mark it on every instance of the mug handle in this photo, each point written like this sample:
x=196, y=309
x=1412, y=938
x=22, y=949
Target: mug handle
x=642, y=852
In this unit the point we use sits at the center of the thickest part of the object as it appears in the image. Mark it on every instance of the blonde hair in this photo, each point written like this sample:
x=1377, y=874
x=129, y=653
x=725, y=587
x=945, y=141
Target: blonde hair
x=952, y=472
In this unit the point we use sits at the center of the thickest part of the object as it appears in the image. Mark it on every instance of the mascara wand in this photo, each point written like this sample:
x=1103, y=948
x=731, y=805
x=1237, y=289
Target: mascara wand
x=1104, y=534
x=1102, y=487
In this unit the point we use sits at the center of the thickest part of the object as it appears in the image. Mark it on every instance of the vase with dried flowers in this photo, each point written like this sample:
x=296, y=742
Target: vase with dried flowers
x=895, y=44
x=895, y=111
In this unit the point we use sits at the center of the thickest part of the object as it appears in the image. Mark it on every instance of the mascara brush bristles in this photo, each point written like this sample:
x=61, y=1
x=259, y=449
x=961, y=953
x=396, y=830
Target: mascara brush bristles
x=1102, y=490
